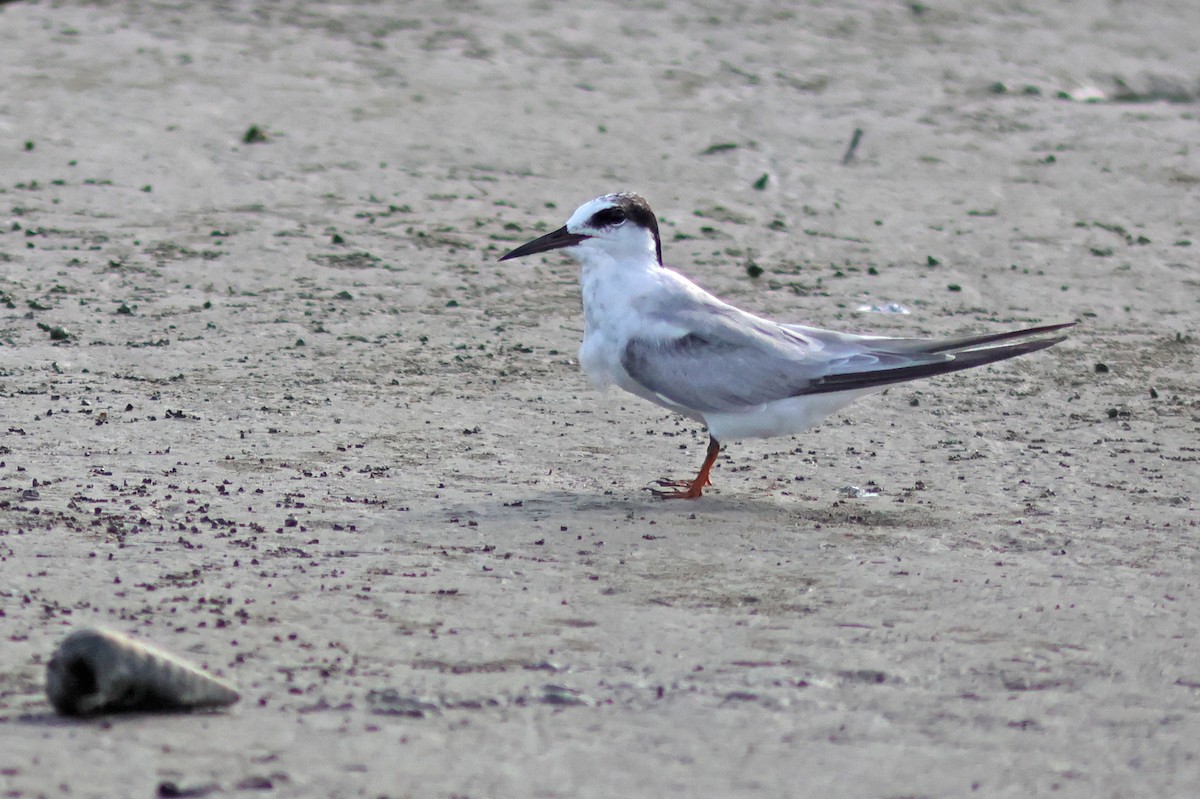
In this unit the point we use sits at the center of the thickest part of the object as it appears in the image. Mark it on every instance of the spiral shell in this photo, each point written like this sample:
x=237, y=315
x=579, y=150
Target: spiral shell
x=95, y=670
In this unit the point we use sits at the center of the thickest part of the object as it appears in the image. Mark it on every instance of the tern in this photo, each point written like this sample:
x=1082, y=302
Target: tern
x=656, y=334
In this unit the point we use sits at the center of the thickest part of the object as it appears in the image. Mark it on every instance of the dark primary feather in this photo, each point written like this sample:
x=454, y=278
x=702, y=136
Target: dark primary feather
x=966, y=342
x=955, y=360
x=731, y=362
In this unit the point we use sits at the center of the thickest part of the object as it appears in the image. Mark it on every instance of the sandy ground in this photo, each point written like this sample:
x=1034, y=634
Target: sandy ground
x=275, y=406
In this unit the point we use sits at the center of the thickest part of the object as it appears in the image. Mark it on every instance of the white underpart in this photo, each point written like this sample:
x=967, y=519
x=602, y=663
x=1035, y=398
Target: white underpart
x=782, y=417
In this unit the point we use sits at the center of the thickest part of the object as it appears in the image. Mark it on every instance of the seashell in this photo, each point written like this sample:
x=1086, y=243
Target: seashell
x=95, y=670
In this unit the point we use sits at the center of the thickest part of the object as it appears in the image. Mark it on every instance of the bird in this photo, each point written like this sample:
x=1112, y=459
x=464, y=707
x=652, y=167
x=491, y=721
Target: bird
x=654, y=333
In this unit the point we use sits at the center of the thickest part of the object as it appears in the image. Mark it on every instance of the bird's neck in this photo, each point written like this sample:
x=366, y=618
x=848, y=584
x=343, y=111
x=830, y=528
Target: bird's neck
x=602, y=264
x=612, y=287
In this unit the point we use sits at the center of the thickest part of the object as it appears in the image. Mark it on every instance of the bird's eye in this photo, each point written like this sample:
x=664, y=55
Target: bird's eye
x=609, y=217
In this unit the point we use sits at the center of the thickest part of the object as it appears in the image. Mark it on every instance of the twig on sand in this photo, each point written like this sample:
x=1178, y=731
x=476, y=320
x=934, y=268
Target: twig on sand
x=854, y=140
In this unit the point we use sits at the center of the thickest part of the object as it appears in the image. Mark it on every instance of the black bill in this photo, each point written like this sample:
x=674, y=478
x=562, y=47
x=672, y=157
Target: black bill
x=551, y=241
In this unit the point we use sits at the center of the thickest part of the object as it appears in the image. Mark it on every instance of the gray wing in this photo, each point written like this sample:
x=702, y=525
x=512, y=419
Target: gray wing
x=730, y=360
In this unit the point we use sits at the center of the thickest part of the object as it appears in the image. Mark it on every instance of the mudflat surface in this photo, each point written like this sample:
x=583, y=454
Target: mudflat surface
x=275, y=407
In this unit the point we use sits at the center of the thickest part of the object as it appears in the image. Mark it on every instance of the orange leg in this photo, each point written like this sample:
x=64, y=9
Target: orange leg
x=690, y=489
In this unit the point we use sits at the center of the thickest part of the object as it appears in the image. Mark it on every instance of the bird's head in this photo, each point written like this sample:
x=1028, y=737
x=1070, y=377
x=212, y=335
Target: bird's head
x=619, y=227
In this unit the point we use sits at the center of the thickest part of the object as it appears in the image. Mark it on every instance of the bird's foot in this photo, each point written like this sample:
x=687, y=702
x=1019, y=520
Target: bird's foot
x=682, y=489
x=690, y=489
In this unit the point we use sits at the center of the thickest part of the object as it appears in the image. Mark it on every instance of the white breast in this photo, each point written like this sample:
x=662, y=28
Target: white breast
x=611, y=303
x=608, y=319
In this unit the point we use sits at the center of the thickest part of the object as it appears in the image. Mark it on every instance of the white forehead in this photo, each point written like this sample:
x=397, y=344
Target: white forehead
x=583, y=213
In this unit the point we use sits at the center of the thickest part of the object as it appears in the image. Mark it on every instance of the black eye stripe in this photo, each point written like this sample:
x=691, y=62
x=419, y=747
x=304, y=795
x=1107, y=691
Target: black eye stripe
x=631, y=207
x=608, y=217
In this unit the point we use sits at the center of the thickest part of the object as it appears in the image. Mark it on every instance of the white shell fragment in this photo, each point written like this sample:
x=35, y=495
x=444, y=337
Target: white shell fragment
x=883, y=307
x=854, y=492
x=101, y=671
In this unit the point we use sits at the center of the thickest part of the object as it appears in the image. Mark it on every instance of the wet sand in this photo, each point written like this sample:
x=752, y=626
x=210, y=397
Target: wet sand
x=274, y=406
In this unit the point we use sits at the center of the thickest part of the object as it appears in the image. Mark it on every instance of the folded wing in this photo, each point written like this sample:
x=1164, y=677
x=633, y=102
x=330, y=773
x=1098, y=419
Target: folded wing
x=730, y=361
